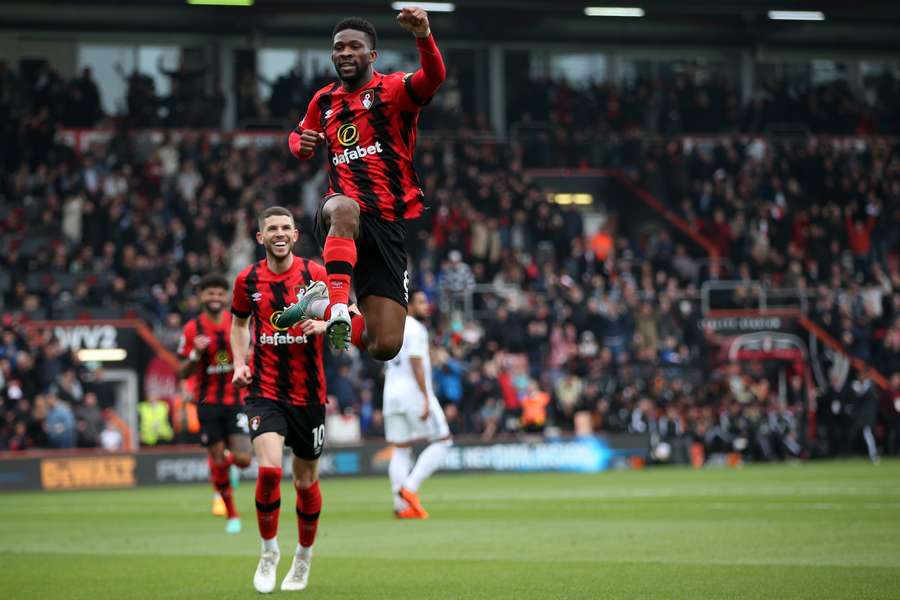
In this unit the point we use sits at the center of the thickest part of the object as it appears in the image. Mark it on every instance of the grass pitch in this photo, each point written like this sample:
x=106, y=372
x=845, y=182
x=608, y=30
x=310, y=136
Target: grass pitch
x=817, y=531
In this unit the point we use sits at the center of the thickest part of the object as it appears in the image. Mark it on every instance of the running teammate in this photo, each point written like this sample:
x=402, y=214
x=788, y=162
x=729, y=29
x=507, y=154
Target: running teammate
x=282, y=370
x=367, y=121
x=206, y=360
x=412, y=414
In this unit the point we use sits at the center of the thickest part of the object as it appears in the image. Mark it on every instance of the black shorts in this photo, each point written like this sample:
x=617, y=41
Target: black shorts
x=380, y=256
x=303, y=427
x=218, y=422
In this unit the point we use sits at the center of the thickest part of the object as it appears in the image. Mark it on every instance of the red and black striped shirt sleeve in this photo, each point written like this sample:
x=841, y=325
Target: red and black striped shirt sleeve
x=421, y=85
x=310, y=121
x=186, y=342
x=240, y=302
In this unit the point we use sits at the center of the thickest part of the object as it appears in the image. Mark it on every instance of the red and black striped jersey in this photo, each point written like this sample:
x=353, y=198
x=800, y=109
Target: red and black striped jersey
x=210, y=382
x=370, y=136
x=286, y=365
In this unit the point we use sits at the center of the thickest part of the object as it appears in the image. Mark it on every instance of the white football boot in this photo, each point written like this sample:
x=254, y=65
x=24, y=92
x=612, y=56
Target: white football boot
x=264, y=578
x=298, y=576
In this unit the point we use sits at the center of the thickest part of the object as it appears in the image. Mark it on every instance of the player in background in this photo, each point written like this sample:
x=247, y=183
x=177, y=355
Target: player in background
x=205, y=352
x=281, y=367
x=367, y=122
x=412, y=414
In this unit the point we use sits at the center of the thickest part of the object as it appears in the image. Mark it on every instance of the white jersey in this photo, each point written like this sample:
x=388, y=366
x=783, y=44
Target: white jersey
x=400, y=386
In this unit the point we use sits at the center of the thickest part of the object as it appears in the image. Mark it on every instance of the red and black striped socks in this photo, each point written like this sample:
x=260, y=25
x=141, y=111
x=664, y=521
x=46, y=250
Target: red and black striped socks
x=222, y=483
x=268, y=501
x=309, y=505
x=340, y=258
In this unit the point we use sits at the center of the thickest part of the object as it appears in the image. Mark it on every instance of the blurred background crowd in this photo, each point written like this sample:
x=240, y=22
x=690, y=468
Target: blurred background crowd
x=543, y=323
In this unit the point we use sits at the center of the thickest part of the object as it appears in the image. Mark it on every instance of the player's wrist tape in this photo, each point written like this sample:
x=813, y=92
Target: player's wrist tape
x=194, y=356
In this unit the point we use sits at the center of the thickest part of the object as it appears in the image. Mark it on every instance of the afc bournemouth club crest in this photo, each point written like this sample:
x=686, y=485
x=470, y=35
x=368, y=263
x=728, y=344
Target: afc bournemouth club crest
x=254, y=422
x=367, y=98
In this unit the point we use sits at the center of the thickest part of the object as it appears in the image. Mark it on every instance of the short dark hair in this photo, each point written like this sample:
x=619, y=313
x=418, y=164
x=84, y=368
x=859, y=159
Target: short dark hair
x=415, y=290
x=359, y=24
x=273, y=211
x=213, y=280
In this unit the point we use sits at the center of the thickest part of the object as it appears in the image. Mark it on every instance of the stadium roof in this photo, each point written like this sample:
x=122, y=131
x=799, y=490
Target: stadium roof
x=870, y=24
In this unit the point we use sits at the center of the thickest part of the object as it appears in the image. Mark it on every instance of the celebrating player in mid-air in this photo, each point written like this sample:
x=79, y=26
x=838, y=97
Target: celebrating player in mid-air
x=367, y=121
x=205, y=353
x=286, y=391
x=412, y=414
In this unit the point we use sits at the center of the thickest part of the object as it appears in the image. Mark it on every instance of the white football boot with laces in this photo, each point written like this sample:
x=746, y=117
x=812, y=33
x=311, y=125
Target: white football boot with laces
x=298, y=576
x=264, y=579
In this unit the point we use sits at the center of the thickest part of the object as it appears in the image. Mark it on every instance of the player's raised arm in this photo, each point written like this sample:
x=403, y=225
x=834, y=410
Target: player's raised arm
x=305, y=137
x=426, y=81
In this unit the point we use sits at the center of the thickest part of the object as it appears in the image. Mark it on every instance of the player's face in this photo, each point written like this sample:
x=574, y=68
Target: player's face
x=419, y=307
x=278, y=235
x=213, y=299
x=351, y=54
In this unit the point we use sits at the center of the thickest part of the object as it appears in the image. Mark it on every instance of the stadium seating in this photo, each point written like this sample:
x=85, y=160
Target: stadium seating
x=612, y=331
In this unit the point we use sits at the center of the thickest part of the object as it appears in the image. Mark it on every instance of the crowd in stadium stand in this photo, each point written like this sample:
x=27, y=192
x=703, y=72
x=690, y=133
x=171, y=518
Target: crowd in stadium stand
x=573, y=333
x=48, y=399
x=573, y=126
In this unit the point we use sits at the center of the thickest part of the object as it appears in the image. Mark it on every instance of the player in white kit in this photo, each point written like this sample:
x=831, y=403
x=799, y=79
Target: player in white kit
x=413, y=414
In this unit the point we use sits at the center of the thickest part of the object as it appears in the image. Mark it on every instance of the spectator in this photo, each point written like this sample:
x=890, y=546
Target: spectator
x=155, y=425
x=89, y=422
x=534, y=408
x=60, y=423
x=110, y=438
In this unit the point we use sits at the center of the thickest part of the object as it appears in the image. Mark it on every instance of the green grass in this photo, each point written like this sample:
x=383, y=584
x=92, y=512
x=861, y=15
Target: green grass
x=817, y=531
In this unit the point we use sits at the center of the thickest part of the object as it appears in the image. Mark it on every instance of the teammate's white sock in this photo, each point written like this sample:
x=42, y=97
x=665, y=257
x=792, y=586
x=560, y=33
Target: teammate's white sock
x=317, y=308
x=271, y=545
x=398, y=471
x=428, y=462
x=304, y=552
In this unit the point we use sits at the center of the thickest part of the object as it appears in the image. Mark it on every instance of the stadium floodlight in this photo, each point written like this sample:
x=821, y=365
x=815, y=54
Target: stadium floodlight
x=613, y=11
x=796, y=15
x=222, y=2
x=102, y=354
x=429, y=6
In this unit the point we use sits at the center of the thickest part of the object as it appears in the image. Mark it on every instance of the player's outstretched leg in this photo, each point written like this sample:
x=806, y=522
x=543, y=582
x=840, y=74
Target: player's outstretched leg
x=341, y=214
x=222, y=481
x=427, y=463
x=309, y=506
x=217, y=456
x=225, y=471
x=398, y=471
x=312, y=302
x=268, y=505
x=340, y=219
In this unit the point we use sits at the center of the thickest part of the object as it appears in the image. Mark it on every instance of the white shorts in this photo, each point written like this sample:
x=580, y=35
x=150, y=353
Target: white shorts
x=407, y=426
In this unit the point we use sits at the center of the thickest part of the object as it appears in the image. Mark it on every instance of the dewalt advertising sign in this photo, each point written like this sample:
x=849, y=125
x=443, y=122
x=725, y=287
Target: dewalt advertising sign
x=92, y=472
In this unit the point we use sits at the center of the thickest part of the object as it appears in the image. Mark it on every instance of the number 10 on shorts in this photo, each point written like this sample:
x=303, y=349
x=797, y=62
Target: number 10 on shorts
x=318, y=435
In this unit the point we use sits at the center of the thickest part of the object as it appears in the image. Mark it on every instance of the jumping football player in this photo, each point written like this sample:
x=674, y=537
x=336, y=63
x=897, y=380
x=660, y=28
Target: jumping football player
x=412, y=414
x=282, y=369
x=367, y=121
x=206, y=360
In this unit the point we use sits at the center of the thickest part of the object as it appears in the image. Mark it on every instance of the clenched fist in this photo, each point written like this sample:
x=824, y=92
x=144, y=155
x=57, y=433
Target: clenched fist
x=201, y=343
x=242, y=376
x=310, y=140
x=415, y=20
